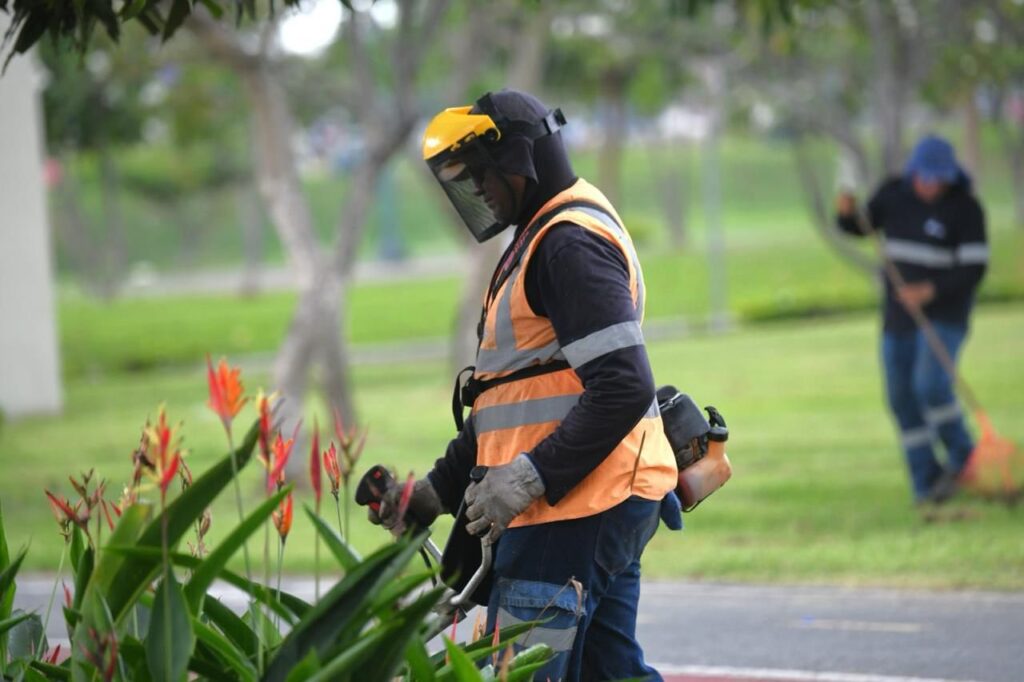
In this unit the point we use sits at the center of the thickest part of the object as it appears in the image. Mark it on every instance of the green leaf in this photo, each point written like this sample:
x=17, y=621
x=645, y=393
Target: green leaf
x=352, y=658
x=460, y=662
x=256, y=619
x=53, y=672
x=24, y=637
x=214, y=563
x=77, y=546
x=345, y=555
x=8, y=623
x=387, y=659
x=225, y=651
x=7, y=586
x=180, y=9
x=397, y=589
x=215, y=9
x=344, y=609
x=305, y=669
x=170, y=638
x=83, y=572
x=420, y=667
x=131, y=9
x=287, y=605
x=135, y=575
x=528, y=661
x=236, y=629
x=7, y=598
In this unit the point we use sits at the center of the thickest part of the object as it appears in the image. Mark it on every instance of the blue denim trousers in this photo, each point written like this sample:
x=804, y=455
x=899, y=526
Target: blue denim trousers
x=582, y=578
x=922, y=400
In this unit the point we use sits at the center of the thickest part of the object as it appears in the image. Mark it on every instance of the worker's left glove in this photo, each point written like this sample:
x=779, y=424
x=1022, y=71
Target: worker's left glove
x=504, y=493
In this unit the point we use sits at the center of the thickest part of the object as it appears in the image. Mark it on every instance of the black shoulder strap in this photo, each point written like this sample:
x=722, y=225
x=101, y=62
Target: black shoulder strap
x=509, y=262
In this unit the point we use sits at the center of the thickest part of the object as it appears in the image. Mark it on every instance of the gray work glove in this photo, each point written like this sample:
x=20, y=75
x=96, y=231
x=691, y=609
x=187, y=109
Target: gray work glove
x=504, y=493
x=424, y=504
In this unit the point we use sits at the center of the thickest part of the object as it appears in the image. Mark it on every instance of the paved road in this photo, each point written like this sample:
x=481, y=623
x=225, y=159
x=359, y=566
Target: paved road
x=714, y=633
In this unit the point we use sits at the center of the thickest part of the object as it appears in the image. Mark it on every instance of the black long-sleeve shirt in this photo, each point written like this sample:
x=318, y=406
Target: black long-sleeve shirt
x=942, y=242
x=580, y=282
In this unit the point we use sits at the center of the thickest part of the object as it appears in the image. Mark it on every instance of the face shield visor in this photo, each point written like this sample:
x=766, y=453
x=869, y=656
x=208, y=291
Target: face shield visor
x=457, y=148
x=477, y=188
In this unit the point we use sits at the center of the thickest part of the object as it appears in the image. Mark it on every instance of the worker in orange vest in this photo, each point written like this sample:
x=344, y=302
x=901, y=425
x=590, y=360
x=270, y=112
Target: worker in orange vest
x=564, y=414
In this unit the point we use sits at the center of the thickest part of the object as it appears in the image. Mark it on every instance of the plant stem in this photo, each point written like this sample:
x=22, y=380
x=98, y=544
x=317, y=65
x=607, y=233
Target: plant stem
x=49, y=605
x=280, y=569
x=345, y=533
x=167, y=571
x=337, y=507
x=245, y=545
x=316, y=559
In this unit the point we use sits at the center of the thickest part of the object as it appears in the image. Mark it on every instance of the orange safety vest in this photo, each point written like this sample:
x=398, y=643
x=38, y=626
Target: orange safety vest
x=513, y=417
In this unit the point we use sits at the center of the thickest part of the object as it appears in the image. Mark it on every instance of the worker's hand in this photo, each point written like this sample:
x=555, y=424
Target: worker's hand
x=504, y=493
x=917, y=294
x=846, y=204
x=424, y=505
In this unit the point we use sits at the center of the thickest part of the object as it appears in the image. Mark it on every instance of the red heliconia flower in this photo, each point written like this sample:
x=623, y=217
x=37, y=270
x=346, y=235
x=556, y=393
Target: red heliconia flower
x=282, y=453
x=105, y=506
x=68, y=600
x=406, y=497
x=169, y=473
x=314, y=464
x=67, y=515
x=331, y=467
x=54, y=656
x=226, y=391
x=162, y=452
x=282, y=517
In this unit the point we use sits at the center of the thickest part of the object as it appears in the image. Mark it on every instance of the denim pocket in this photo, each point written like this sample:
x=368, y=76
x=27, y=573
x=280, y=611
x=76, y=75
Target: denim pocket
x=625, y=531
x=559, y=608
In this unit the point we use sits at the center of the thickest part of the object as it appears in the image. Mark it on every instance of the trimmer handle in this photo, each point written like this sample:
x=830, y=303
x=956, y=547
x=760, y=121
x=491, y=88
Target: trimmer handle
x=372, y=487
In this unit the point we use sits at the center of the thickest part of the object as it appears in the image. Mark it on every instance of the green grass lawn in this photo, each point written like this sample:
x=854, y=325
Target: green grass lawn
x=775, y=276
x=819, y=492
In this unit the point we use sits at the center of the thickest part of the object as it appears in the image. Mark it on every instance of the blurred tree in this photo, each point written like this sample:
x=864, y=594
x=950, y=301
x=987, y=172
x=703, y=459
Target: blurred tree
x=95, y=110
x=983, y=60
x=383, y=103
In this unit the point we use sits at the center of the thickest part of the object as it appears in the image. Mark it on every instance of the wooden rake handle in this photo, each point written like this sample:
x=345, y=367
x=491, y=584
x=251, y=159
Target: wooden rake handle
x=923, y=323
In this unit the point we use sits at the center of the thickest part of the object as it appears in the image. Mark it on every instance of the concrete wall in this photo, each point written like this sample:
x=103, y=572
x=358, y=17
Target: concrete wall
x=29, y=362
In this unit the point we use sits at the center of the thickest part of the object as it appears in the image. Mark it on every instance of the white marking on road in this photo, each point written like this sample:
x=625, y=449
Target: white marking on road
x=856, y=625
x=787, y=675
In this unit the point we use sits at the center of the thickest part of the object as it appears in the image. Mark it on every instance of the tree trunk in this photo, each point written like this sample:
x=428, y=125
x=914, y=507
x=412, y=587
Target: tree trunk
x=74, y=240
x=616, y=129
x=673, y=188
x=251, y=218
x=890, y=86
x=820, y=211
x=972, y=135
x=113, y=261
x=525, y=72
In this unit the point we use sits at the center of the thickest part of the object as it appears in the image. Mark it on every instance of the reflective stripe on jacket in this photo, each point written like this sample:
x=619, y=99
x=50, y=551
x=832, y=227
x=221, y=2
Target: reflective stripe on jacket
x=514, y=417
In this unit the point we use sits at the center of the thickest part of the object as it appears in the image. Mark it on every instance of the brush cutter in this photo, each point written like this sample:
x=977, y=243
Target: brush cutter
x=990, y=468
x=465, y=564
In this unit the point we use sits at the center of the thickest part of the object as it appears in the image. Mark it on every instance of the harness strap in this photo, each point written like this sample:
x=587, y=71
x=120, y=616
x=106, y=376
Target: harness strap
x=464, y=395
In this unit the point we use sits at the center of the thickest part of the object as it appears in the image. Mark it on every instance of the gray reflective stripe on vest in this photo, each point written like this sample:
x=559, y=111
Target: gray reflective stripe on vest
x=613, y=337
x=524, y=412
x=916, y=253
x=558, y=639
x=972, y=253
x=610, y=223
x=505, y=357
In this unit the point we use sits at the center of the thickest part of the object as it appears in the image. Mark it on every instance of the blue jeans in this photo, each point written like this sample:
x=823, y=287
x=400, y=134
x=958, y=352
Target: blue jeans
x=921, y=397
x=583, y=578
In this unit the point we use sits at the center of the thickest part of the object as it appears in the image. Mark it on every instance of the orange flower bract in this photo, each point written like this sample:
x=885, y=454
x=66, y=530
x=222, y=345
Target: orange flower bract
x=226, y=390
x=283, y=517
